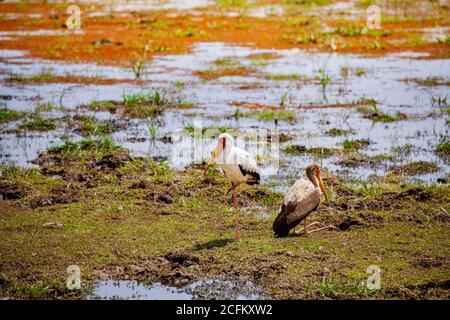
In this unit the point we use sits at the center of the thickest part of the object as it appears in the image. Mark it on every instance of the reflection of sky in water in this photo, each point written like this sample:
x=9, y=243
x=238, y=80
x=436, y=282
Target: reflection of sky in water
x=381, y=80
x=133, y=290
x=202, y=289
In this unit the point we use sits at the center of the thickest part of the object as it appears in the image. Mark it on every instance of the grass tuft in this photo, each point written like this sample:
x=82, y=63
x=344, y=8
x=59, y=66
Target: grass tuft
x=7, y=115
x=38, y=124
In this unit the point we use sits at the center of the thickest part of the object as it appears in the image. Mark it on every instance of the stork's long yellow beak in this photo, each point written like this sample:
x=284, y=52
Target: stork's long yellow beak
x=322, y=187
x=214, y=155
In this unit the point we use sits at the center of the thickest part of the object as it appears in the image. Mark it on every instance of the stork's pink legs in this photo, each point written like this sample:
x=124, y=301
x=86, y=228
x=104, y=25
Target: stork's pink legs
x=238, y=236
x=319, y=224
x=234, y=185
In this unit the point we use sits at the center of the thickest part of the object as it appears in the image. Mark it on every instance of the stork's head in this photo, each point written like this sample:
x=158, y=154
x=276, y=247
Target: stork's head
x=225, y=140
x=313, y=174
x=224, y=143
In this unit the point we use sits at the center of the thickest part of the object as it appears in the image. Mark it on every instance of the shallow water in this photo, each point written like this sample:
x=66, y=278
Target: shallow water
x=202, y=289
x=381, y=78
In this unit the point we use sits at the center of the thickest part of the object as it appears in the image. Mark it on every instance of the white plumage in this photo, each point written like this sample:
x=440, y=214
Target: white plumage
x=236, y=159
x=299, y=190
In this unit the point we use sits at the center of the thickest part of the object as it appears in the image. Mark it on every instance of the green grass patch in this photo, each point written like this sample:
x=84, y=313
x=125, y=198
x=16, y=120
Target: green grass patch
x=137, y=105
x=101, y=145
x=382, y=157
x=46, y=107
x=443, y=148
x=7, y=115
x=300, y=21
x=89, y=125
x=404, y=150
x=349, y=32
x=228, y=62
x=308, y=2
x=429, y=81
x=308, y=38
x=102, y=105
x=416, y=168
x=121, y=228
x=384, y=117
x=272, y=115
x=38, y=124
x=416, y=40
x=232, y=3
x=355, y=31
x=350, y=144
x=282, y=77
x=186, y=33
x=224, y=71
x=191, y=129
x=316, y=151
x=333, y=289
x=360, y=71
x=40, y=78
x=338, y=132
x=444, y=40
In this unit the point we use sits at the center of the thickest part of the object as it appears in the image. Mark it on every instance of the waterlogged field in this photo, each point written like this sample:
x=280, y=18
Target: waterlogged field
x=105, y=130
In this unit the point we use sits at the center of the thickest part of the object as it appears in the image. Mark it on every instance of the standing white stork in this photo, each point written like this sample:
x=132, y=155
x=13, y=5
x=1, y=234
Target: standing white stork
x=238, y=165
x=301, y=199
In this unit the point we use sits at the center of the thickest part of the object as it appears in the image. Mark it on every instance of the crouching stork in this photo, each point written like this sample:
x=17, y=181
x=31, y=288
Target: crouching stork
x=299, y=202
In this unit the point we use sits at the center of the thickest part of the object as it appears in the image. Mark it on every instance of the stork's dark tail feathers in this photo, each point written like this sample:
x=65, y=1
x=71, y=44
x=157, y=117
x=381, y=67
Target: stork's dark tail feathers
x=280, y=225
x=255, y=175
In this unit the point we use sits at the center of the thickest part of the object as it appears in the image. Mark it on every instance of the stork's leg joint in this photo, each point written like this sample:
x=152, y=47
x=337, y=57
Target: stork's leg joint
x=234, y=185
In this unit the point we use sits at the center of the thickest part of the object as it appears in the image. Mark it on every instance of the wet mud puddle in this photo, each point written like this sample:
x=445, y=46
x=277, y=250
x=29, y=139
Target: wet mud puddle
x=199, y=290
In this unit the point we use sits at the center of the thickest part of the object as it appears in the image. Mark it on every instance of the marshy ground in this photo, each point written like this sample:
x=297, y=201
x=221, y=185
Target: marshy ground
x=97, y=127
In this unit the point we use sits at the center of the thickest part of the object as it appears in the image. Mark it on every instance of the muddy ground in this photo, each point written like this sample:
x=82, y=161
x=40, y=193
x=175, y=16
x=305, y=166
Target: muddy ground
x=131, y=218
x=95, y=123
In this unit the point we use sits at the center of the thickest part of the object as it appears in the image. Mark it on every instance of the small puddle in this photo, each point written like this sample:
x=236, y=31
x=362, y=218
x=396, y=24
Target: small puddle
x=203, y=289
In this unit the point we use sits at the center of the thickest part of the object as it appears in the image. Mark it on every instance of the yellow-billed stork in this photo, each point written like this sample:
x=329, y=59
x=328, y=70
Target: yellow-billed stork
x=301, y=199
x=238, y=165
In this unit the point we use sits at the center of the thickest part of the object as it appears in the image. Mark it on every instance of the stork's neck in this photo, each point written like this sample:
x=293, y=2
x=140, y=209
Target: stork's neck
x=312, y=177
x=227, y=149
x=224, y=154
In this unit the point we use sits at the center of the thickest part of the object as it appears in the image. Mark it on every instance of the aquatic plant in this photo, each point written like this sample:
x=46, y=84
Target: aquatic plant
x=238, y=113
x=39, y=78
x=307, y=38
x=7, y=115
x=272, y=115
x=324, y=78
x=350, y=144
x=443, y=147
x=338, y=132
x=102, y=146
x=232, y=3
x=439, y=101
x=38, y=124
x=137, y=68
x=283, y=99
x=282, y=76
x=384, y=117
x=152, y=129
